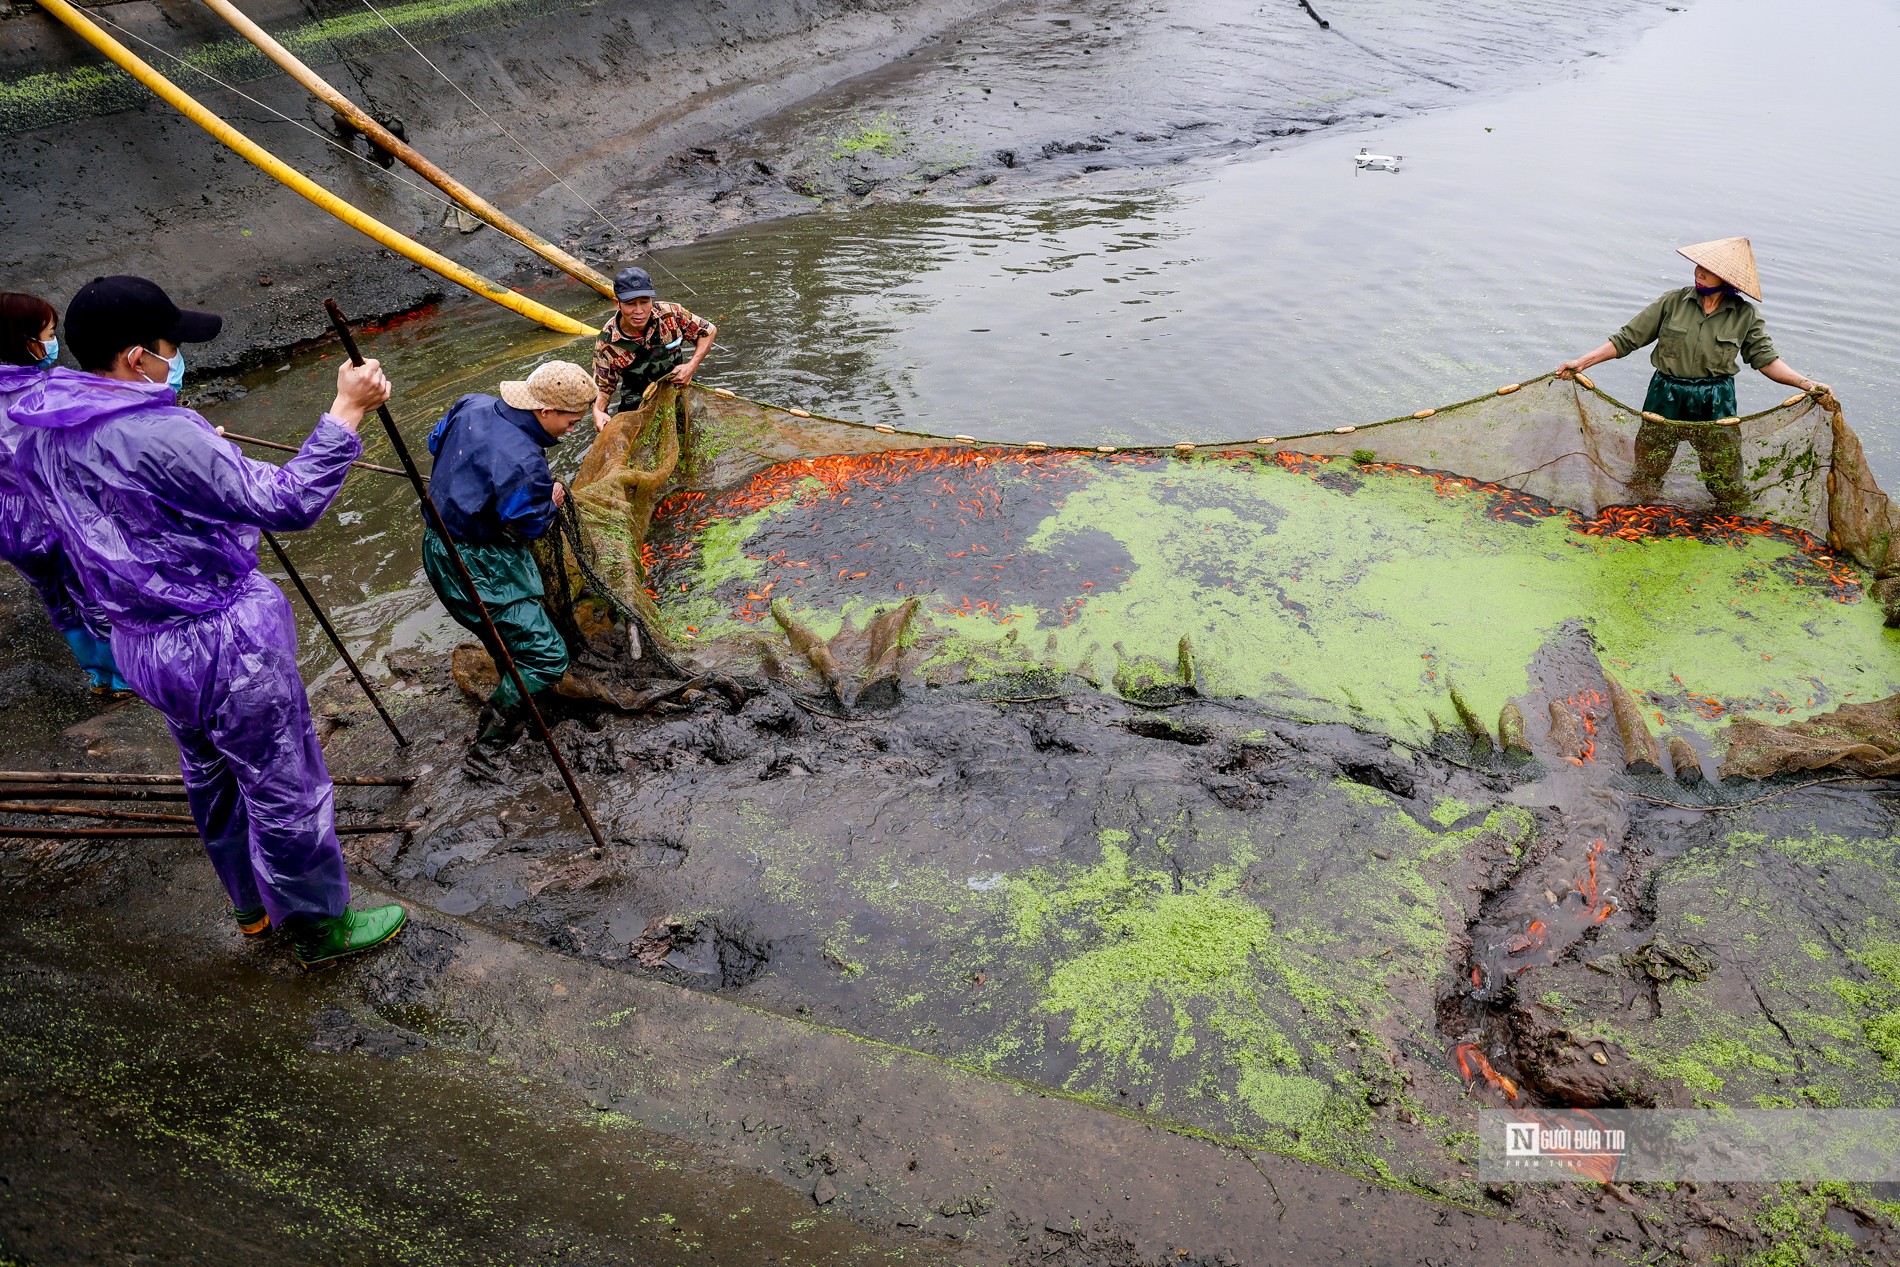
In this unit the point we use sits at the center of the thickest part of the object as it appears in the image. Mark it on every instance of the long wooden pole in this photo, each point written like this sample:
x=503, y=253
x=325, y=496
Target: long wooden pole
x=336, y=639
x=87, y=811
x=252, y=152
x=291, y=448
x=394, y=145
x=179, y=833
x=175, y=780
x=495, y=641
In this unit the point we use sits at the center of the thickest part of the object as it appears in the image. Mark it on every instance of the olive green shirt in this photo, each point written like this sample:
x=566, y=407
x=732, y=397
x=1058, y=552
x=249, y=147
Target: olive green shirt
x=1693, y=344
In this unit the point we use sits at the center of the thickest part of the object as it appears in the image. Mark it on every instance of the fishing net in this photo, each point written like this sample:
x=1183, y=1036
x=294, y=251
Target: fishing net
x=1358, y=573
x=1556, y=441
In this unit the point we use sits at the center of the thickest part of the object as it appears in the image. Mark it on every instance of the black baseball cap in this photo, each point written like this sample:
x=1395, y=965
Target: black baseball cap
x=633, y=283
x=110, y=314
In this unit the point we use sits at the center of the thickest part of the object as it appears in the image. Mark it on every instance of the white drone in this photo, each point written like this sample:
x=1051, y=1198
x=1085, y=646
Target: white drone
x=1364, y=162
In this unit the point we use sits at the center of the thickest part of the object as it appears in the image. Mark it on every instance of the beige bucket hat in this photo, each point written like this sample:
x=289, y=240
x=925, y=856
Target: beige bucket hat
x=555, y=385
x=1731, y=259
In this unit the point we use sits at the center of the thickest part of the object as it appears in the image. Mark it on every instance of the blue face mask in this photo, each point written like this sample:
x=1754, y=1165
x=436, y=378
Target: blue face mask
x=51, y=357
x=176, y=378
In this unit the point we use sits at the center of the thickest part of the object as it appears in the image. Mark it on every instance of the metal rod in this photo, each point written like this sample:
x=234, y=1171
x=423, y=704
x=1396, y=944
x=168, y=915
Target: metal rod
x=176, y=780
x=291, y=448
x=499, y=647
x=180, y=833
x=392, y=144
x=336, y=640
x=86, y=811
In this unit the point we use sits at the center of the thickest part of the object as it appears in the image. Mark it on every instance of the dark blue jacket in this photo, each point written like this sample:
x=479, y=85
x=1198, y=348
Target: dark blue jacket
x=491, y=480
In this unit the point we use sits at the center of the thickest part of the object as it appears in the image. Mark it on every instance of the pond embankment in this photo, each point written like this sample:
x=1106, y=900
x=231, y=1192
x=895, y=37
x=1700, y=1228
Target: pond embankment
x=102, y=177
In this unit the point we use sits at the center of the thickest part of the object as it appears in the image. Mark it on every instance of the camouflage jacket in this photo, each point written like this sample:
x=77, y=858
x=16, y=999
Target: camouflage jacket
x=627, y=364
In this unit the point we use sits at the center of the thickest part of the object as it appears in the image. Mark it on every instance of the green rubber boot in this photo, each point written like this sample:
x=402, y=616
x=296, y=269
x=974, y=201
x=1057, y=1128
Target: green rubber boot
x=253, y=921
x=316, y=942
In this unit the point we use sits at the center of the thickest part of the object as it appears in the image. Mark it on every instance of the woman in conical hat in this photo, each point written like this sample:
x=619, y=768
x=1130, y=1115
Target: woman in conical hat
x=1700, y=332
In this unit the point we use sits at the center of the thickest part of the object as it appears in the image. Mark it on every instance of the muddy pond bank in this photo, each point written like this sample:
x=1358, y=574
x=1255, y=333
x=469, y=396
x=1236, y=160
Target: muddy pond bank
x=1200, y=999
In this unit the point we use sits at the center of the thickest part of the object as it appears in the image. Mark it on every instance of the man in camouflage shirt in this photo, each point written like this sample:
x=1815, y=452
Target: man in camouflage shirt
x=643, y=342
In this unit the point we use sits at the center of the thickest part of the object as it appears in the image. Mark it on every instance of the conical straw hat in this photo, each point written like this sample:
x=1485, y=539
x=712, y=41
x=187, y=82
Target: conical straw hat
x=1731, y=259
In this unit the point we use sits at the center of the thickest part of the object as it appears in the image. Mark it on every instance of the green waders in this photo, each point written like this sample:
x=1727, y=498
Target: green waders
x=1691, y=405
x=506, y=577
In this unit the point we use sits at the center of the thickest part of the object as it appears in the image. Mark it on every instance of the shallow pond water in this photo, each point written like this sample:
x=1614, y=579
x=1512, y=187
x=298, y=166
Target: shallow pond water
x=1286, y=289
x=1277, y=292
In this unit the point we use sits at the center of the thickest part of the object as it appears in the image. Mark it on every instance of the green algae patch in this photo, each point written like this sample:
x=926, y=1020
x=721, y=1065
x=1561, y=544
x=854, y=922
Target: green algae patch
x=1267, y=980
x=1783, y=1002
x=1791, y=1220
x=1328, y=590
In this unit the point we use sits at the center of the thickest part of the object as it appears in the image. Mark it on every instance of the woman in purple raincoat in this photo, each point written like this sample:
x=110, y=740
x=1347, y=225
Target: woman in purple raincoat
x=28, y=348
x=160, y=516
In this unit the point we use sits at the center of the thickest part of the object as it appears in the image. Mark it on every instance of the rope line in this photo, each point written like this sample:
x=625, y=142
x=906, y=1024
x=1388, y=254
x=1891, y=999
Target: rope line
x=1248, y=442
x=518, y=142
x=389, y=173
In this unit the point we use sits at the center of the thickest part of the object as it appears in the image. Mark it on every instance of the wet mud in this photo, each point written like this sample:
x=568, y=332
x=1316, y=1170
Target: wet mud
x=1107, y=95
x=171, y=1095
x=1311, y=950
x=1285, y=937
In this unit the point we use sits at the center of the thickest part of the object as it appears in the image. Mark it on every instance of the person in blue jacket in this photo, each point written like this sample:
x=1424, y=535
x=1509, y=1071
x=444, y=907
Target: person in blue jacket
x=492, y=485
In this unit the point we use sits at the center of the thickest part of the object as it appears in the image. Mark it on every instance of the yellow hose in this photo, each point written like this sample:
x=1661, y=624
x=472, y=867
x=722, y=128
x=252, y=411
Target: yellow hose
x=257, y=155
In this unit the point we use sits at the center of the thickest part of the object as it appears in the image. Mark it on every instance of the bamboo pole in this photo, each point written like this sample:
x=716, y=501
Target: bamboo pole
x=389, y=142
x=87, y=811
x=336, y=639
x=180, y=833
x=85, y=792
x=275, y=167
x=497, y=646
x=177, y=780
x=291, y=448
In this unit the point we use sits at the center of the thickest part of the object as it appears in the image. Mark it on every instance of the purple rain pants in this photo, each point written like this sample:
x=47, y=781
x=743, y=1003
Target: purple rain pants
x=227, y=684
